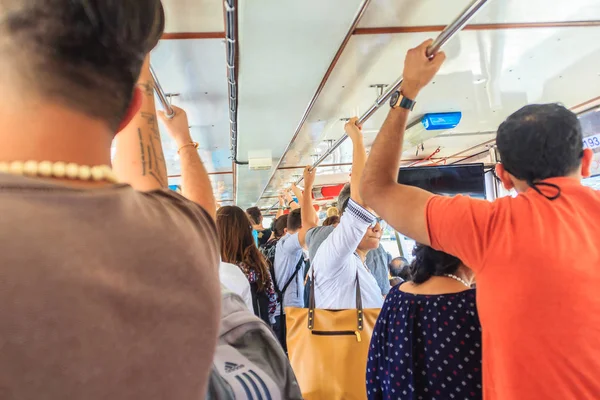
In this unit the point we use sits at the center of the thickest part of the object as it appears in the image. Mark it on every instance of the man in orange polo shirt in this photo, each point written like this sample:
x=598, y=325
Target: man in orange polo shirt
x=536, y=256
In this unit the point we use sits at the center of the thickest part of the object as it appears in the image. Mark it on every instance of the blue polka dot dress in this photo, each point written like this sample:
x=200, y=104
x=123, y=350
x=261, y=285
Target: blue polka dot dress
x=426, y=348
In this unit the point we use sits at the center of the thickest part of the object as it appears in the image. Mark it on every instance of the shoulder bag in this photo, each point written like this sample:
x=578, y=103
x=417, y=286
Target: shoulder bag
x=328, y=349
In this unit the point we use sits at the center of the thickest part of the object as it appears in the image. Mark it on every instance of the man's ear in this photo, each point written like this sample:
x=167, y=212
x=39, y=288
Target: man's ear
x=586, y=163
x=133, y=109
x=504, y=177
x=284, y=231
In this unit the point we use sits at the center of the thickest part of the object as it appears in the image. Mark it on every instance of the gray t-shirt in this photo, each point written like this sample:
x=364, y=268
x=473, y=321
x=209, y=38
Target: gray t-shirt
x=377, y=260
x=315, y=237
x=106, y=293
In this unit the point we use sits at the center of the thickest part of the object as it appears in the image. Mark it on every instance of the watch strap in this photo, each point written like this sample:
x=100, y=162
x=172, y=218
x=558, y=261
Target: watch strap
x=407, y=103
x=403, y=101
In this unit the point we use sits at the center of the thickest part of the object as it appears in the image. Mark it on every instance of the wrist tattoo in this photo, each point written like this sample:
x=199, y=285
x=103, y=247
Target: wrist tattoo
x=147, y=87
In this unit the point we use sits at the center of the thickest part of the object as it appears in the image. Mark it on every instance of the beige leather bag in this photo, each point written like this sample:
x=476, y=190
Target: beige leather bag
x=328, y=349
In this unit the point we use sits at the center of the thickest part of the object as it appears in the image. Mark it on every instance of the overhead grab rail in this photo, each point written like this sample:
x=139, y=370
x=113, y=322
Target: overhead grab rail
x=448, y=33
x=169, y=112
x=232, y=73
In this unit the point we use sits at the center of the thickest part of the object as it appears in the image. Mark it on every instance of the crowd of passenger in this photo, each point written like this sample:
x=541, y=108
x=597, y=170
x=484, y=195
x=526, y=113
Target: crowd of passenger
x=130, y=290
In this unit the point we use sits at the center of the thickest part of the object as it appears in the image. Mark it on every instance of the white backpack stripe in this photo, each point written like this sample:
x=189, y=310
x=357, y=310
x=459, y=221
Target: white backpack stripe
x=247, y=381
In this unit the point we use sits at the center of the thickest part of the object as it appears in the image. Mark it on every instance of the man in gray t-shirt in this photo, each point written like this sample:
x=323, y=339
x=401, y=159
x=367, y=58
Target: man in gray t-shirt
x=108, y=291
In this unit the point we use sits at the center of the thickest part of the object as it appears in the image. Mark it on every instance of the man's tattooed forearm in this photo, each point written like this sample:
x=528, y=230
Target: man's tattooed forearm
x=151, y=119
x=149, y=159
x=157, y=179
x=147, y=87
x=142, y=152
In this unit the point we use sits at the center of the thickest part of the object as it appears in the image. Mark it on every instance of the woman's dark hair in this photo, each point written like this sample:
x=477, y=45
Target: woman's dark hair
x=255, y=215
x=280, y=225
x=540, y=141
x=85, y=54
x=429, y=262
x=237, y=243
x=331, y=220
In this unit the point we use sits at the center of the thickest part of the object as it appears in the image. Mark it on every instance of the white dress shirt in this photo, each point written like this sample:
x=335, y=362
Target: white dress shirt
x=336, y=264
x=287, y=254
x=235, y=281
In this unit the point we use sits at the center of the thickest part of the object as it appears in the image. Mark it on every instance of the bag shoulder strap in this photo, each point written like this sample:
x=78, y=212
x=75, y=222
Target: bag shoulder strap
x=288, y=283
x=359, y=305
x=311, y=304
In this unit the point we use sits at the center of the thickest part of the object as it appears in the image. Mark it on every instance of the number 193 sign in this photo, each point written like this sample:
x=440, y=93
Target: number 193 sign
x=591, y=142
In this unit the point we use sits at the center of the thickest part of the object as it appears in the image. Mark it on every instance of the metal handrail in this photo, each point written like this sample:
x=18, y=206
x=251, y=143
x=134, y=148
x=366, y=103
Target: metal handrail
x=232, y=73
x=448, y=33
x=169, y=112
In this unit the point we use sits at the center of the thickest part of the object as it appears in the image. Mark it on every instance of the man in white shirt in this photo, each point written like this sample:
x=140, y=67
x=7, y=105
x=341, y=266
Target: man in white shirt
x=340, y=260
x=377, y=260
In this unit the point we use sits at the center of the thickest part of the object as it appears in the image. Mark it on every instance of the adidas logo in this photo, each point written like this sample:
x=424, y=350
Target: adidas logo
x=231, y=367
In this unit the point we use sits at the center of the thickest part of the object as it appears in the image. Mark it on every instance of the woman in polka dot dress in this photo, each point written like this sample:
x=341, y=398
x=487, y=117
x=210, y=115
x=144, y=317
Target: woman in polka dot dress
x=427, y=341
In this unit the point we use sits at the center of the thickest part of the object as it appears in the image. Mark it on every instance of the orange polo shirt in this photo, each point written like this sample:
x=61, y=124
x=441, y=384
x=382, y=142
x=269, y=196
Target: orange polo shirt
x=537, y=265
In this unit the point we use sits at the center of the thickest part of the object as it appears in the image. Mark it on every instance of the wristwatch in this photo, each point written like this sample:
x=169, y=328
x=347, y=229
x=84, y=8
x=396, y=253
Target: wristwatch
x=399, y=100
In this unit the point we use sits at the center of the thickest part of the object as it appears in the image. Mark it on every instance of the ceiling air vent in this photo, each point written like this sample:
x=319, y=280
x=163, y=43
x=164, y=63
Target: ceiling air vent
x=260, y=160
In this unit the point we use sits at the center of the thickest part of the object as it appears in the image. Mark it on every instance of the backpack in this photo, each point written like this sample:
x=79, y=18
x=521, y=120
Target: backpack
x=260, y=301
x=268, y=251
x=248, y=363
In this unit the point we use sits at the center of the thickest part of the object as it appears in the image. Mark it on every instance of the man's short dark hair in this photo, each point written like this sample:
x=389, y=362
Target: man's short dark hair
x=85, y=54
x=540, y=141
x=294, y=221
x=255, y=215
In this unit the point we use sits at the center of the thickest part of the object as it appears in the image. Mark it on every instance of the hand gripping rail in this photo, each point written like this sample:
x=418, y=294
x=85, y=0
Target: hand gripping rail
x=169, y=112
x=448, y=33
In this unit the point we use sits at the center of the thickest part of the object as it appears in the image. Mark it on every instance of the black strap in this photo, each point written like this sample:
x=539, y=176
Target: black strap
x=311, y=304
x=281, y=293
x=534, y=186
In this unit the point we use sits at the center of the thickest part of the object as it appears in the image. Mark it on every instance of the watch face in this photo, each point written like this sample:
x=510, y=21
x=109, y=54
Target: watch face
x=394, y=99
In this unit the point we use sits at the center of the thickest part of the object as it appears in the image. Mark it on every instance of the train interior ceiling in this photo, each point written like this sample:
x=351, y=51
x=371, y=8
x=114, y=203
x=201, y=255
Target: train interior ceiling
x=267, y=85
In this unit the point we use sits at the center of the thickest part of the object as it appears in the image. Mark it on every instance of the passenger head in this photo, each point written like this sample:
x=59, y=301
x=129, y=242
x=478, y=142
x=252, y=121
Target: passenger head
x=331, y=221
x=429, y=262
x=538, y=142
x=280, y=226
x=85, y=55
x=255, y=215
x=372, y=237
x=294, y=222
x=333, y=212
x=400, y=268
x=237, y=243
